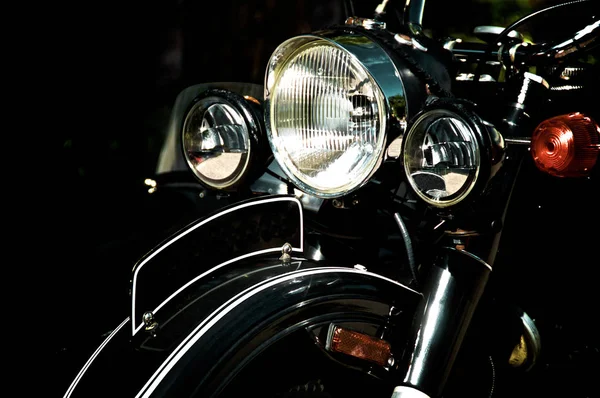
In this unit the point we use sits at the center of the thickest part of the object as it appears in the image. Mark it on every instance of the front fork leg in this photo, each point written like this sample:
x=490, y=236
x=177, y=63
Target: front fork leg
x=450, y=296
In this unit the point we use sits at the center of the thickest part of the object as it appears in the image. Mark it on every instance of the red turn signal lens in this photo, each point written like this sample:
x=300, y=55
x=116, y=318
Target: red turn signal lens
x=359, y=345
x=566, y=145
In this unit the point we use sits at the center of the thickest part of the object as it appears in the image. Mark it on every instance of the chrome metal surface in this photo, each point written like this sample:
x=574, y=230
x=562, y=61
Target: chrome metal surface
x=370, y=55
x=381, y=70
x=408, y=245
x=380, y=10
x=489, y=33
x=394, y=150
x=329, y=339
x=450, y=297
x=450, y=42
x=442, y=157
x=517, y=111
x=171, y=157
x=366, y=23
x=409, y=41
x=408, y=392
x=148, y=317
x=583, y=40
x=216, y=142
x=413, y=12
x=518, y=140
x=566, y=87
x=570, y=72
x=286, y=251
x=532, y=339
x=150, y=324
x=471, y=76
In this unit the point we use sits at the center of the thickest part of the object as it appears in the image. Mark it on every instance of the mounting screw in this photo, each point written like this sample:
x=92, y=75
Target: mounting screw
x=390, y=361
x=286, y=251
x=149, y=322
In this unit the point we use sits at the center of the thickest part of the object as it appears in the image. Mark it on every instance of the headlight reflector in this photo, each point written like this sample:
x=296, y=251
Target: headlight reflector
x=216, y=142
x=326, y=118
x=442, y=157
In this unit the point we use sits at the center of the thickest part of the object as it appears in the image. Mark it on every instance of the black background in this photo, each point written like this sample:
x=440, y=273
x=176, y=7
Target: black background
x=103, y=77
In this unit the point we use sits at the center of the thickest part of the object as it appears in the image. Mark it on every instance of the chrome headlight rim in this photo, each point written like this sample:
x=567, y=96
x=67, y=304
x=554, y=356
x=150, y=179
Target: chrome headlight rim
x=385, y=78
x=479, y=131
x=249, y=111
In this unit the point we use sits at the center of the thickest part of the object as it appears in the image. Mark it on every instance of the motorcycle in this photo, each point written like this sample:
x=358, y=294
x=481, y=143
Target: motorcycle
x=351, y=215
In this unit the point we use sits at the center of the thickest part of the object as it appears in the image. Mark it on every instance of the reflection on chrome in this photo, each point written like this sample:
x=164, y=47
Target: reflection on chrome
x=428, y=330
x=442, y=157
x=216, y=142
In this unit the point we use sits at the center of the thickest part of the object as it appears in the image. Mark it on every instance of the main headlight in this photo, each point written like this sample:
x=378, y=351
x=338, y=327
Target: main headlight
x=442, y=157
x=326, y=114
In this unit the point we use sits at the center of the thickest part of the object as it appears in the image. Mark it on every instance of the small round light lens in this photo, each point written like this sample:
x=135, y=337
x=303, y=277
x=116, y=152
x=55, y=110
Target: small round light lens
x=566, y=145
x=441, y=157
x=216, y=142
x=327, y=119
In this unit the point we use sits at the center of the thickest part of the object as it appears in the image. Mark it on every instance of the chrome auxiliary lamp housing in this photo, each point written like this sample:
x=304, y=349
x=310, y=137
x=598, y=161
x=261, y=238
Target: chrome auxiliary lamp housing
x=334, y=102
x=340, y=102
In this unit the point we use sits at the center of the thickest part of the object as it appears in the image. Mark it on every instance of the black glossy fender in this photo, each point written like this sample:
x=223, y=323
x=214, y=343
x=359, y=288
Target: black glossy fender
x=200, y=342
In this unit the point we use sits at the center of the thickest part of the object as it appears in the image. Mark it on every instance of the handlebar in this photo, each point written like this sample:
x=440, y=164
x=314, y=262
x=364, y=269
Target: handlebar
x=582, y=41
x=520, y=53
x=413, y=12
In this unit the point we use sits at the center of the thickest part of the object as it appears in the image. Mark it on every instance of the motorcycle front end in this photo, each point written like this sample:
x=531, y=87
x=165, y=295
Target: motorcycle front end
x=351, y=213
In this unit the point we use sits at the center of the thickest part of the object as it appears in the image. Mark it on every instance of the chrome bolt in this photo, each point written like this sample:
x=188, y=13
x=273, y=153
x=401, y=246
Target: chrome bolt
x=150, y=324
x=390, y=361
x=286, y=250
x=148, y=318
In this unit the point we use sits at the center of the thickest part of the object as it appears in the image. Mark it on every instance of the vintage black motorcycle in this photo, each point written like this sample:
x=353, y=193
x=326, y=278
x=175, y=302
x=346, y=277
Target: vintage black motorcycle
x=352, y=210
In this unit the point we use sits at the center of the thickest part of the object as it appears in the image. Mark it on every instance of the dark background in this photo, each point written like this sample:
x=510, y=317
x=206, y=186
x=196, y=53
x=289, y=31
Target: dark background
x=107, y=77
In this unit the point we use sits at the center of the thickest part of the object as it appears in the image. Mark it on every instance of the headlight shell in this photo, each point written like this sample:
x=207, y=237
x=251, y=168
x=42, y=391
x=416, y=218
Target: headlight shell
x=219, y=138
x=447, y=153
x=328, y=105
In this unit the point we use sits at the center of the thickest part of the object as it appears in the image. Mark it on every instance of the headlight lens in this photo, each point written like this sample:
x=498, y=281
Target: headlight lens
x=326, y=118
x=442, y=157
x=216, y=142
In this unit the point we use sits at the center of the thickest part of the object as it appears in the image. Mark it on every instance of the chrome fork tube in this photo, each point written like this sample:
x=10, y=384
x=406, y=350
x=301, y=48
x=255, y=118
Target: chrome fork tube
x=450, y=296
x=413, y=12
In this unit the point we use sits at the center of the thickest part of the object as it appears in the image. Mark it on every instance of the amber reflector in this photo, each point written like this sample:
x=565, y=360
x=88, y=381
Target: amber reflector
x=359, y=345
x=566, y=145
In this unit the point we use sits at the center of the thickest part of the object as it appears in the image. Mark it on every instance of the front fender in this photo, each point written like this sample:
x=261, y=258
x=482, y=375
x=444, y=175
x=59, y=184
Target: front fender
x=197, y=330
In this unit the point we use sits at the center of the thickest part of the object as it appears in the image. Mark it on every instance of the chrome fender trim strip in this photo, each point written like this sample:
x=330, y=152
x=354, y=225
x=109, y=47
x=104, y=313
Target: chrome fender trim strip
x=136, y=328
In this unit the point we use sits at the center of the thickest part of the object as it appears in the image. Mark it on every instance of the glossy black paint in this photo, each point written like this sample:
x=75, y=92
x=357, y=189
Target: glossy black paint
x=243, y=331
x=293, y=297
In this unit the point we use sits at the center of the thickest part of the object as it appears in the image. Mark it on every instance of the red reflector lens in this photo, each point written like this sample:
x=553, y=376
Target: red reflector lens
x=359, y=345
x=566, y=145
